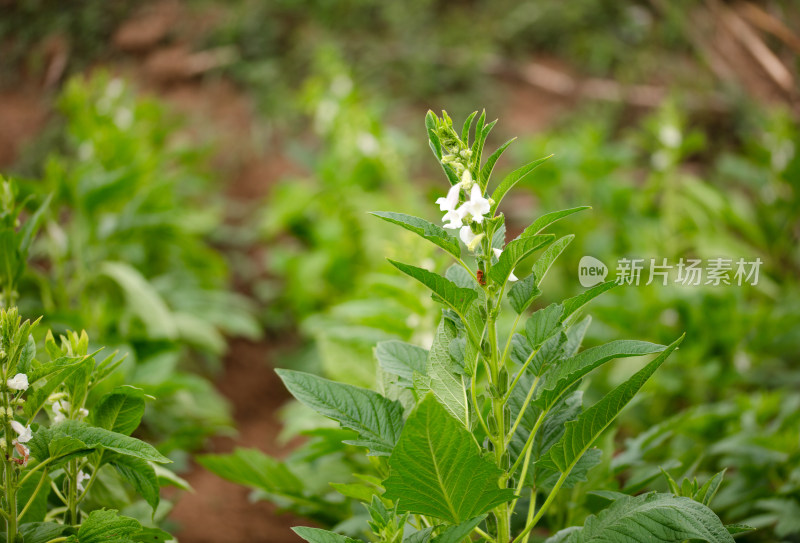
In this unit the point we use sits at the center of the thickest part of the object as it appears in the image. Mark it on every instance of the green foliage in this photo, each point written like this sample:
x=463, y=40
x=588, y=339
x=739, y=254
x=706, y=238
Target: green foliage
x=650, y=517
x=702, y=201
x=125, y=252
x=55, y=458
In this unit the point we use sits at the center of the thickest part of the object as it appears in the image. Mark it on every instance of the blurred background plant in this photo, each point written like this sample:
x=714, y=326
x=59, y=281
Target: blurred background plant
x=126, y=252
x=675, y=121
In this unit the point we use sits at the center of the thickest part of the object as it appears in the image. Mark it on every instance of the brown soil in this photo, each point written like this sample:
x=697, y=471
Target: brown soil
x=221, y=511
x=23, y=113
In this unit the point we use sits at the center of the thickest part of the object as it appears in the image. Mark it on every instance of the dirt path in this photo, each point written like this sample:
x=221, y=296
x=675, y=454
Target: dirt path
x=219, y=511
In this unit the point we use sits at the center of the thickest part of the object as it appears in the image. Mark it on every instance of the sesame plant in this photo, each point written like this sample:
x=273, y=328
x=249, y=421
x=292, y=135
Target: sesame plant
x=65, y=439
x=477, y=436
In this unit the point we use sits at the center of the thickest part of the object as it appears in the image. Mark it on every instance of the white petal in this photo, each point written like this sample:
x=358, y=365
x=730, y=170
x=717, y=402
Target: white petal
x=497, y=252
x=24, y=432
x=512, y=277
x=453, y=219
x=466, y=234
x=450, y=202
x=18, y=382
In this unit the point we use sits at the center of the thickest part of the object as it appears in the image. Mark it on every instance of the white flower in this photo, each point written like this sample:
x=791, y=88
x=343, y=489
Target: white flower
x=123, y=118
x=18, y=382
x=83, y=413
x=114, y=88
x=470, y=240
x=60, y=411
x=82, y=476
x=24, y=432
x=449, y=202
x=497, y=253
x=477, y=206
x=466, y=234
x=453, y=219
x=368, y=144
x=670, y=136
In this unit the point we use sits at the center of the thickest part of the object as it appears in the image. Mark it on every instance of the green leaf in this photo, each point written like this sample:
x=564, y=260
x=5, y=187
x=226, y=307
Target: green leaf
x=512, y=179
x=546, y=479
x=96, y=438
x=377, y=420
x=466, y=128
x=445, y=290
x=41, y=532
x=139, y=473
x=437, y=469
x=357, y=491
x=167, y=477
x=56, y=372
x=105, y=526
x=446, y=385
x=317, y=535
x=709, y=489
x=436, y=144
x=546, y=220
x=420, y=536
x=401, y=359
x=31, y=226
x=571, y=305
x=652, y=518
x=38, y=509
x=477, y=149
x=433, y=233
x=254, y=469
x=734, y=529
x=152, y=535
x=431, y=120
x=562, y=376
x=455, y=534
x=514, y=253
x=581, y=433
x=120, y=410
x=543, y=264
x=143, y=300
x=543, y=324
x=486, y=171
x=40, y=371
x=522, y=293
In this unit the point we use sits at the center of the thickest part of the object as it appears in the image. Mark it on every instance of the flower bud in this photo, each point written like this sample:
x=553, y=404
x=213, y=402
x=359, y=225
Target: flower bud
x=466, y=180
x=475, y=243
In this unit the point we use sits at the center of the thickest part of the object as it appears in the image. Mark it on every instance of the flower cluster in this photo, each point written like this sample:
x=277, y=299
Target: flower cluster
x=472, y=210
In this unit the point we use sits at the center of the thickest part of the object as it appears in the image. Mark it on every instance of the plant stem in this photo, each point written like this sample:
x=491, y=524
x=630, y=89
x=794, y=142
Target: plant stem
x=34, y=470
x=545, y=506
x=498, y=411
x=9, y=473
x=72, y=493
x=483, y=534
x=11, y=502
x=522, y=410
x=531, y=511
